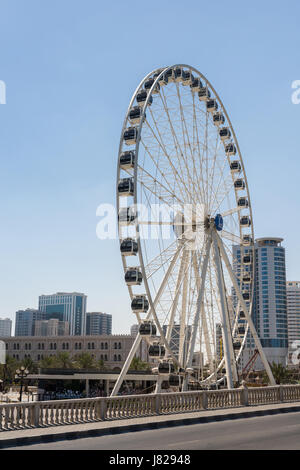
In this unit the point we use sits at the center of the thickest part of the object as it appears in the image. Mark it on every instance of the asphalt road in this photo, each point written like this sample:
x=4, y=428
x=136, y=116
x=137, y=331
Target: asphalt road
x=269, y=433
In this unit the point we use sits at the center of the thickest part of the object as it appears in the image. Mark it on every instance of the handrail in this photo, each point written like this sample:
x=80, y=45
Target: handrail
x=28, y=415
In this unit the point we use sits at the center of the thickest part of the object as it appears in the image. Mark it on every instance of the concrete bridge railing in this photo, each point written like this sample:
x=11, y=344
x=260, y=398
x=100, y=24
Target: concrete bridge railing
x=61, y=412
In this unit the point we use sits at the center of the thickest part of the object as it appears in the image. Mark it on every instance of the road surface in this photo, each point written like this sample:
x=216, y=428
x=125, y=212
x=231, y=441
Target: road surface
x=265, y=432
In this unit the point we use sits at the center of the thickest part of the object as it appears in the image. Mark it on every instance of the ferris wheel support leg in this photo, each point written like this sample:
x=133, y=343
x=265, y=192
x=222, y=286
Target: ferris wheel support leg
x=230, y=364
x=158, y=384
x=139, y=338
x=177, y=293
x=126, y=365
x=199, y=302
x=203, y=317
x=182, y=332
x=153, y=305
x=224, y=314
x=244, y=307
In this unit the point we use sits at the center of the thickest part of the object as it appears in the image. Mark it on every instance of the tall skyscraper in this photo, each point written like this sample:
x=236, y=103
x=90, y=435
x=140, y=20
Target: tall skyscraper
x=64, y=306
x=98, y=323
x=134, y=330
x=293, y=314
x=25, y=321
x=270, y=299
x=5, y=327
x=175, y=339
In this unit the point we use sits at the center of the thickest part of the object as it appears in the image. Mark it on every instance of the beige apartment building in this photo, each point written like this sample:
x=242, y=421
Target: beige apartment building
x=112, y=349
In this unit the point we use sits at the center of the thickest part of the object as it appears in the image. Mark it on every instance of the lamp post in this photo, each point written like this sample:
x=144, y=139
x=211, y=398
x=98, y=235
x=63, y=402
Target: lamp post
x=21, y=374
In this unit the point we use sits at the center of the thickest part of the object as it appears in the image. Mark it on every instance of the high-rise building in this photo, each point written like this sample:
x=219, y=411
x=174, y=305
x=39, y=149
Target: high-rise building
x=134, y=330
x=52, y=327
x=98, y=323
x=5, y=327
x=25, y=321
x=293, y=314
x=270, y=300
x=175, y=339
x=64, y=306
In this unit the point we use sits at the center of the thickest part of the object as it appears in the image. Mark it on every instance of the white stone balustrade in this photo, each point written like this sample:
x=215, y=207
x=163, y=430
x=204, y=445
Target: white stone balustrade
x=61, y=412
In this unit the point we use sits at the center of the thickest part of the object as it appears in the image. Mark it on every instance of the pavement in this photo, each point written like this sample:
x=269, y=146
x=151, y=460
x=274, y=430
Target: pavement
x=54, y=434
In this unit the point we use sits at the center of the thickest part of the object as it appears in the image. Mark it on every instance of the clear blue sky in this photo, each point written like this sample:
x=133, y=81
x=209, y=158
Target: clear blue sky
x=70, y=68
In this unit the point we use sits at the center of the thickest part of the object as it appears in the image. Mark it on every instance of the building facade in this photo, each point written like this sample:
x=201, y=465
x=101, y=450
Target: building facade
x=112, y=350
x=68, y=307
x=5, y=327
x=25, y=321
x=293, y=315
x=98, y=323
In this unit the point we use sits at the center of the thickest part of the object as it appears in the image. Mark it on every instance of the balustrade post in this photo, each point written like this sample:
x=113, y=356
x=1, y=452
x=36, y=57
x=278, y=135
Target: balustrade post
x=280, y=394
x=244, y=394
x=157, y=404
x=36, y=414
x=103, y=409
x=204, y=400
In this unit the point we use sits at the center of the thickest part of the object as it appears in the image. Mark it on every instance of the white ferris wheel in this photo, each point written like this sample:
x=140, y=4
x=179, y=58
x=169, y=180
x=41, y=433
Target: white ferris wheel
x=186, y=230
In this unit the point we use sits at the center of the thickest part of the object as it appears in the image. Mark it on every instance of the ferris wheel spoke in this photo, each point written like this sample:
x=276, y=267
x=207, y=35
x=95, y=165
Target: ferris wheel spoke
x=160, y=260
x=178, y=150
x=180, y=153
x=231, y=236
x=176, y=174
x=219, y=197
x=187, y=144
x=151, y=184
x=158, y=166
x=215, y=190
x=212, y=173
x=200, y=177
x=231, y=211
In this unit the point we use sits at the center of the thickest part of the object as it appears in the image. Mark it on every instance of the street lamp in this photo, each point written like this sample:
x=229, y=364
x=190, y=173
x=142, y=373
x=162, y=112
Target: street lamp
x=21, y=374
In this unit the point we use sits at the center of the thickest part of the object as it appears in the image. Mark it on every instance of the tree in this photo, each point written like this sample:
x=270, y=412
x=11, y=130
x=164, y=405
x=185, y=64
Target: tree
x=280, y=373
x=64, y=361
x=48, y=362
x=30, y=365
x=138, y=364
x=8, y=371
x=100, y=364
x=85, y=361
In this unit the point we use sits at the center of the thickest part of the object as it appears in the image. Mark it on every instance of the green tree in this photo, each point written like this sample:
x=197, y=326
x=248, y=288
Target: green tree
x=100, y=364
x=48, y=362
x=30, y=365
x=138, y=364
x=64, y=361
x=85, y=361
x=8, y=371
x=280, y=373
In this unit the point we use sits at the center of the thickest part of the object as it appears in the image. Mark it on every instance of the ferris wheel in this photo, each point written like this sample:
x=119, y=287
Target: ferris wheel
x=186, y=230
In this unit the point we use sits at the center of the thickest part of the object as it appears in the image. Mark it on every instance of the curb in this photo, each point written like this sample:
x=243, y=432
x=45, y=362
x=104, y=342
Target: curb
x=71, y=435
